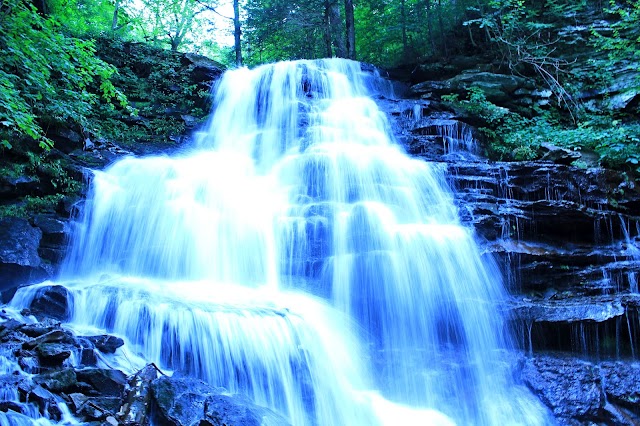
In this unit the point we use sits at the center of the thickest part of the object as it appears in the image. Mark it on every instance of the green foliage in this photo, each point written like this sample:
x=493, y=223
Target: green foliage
x=159, y=89
x=31, y=205
x=46, y=77
x=82, y=17
x=510, y=136
x=620, y=41
x=164, y=23
x=280, y=29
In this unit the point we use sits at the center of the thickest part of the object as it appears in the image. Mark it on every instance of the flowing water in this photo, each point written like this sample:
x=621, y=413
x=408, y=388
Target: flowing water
x=297, y=255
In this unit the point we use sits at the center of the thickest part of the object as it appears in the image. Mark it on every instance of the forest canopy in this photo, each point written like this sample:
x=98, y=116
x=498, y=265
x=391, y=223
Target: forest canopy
x=52, y=73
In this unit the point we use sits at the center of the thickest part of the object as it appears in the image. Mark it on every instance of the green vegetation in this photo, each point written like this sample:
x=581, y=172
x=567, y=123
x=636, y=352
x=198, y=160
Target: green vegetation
x=514, y=137
x=47, y=78
x=79, y=72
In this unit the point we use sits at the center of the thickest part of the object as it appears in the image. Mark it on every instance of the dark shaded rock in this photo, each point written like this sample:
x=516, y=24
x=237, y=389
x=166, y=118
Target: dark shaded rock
x=53, y=354
x=54, y=336
x=138, y=398
x=11, y=406
x=558, y=155
x=496, y=87
x=185, y=401
x=65, y=139
x=98, y=408
x=51, y=301
x=103, y=382
x=221, y=410
x=46, y=401
x=571, y=388
x=203, y=69
x=429, y=88
x=38, y=329
x=58, y=381
x=54, y=231
x=621, y=382
x=12, y=187
x=106, y=343
x=19, y=259
x=86, y=347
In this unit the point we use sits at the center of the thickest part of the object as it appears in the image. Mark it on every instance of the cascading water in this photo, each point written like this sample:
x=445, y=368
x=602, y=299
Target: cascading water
x=298, y=256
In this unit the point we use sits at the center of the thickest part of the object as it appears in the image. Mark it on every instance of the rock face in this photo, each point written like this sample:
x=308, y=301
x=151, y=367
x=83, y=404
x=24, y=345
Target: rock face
x=582, y=392
x=19, y=259
x=567, y=241
x=186, y=401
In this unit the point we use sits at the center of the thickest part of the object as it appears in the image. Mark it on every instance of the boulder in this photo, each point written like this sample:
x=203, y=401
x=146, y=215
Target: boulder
x=54, y=231
x=58, y=381
x=558, y=155
x=103, y=382
x=186, y=401
x=53, y=354
x=580, y=392
x=571, y=388
x=203, y=70
x=106, y=343
x=19, y=260
x=51, y=301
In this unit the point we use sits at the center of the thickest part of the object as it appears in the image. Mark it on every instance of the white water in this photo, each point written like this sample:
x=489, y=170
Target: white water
x=297, y=255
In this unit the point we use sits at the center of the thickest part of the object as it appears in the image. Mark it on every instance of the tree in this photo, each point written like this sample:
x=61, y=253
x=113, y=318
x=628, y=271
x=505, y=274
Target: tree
x=167, y=21
x=47, y=78
x=281, y=29
x=350, y=29
x=237, y=32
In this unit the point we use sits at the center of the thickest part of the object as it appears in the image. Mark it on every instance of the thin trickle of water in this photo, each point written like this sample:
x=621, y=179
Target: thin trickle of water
x=299, y=256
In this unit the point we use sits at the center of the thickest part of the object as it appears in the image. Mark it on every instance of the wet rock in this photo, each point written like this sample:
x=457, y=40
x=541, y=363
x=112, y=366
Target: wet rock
x=86, y=348
x=51, y=301
x=106, y=343
x=573, y=309
x=103, y=382
x=53, y=354
x=54, y=231
x=19, y=259
x=11, y=406
x=38, y=329
x=184, y=401
x=571, y=388
x=621, y=382
x=58, y=381
x=7, y=328
x=98, y=408
x=138, y=398
x=54, y=336
x=46, y=401
x=558, y=155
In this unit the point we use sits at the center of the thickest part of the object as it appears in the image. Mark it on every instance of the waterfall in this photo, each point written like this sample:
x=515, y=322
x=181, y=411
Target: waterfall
x=297, y=255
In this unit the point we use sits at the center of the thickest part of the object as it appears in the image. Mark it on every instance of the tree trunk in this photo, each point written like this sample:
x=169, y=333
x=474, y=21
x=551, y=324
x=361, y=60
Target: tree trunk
x=403, y=18
x=445, y=53
x=351, y=30
x=327, y=29
x=427, y=7
x=114, y=22
x=237, y=32
x=335, y=22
